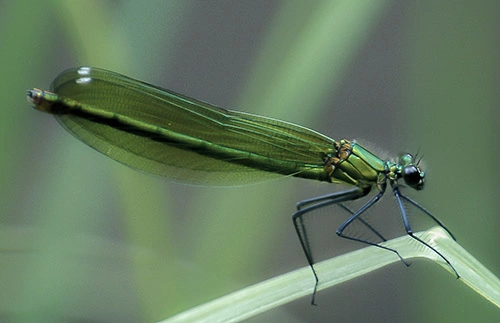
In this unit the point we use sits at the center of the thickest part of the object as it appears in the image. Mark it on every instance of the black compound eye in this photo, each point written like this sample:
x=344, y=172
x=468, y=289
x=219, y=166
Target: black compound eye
x=413, y=177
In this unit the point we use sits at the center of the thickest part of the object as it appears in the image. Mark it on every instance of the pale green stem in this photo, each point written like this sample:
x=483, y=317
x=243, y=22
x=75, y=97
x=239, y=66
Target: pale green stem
x=280, y=290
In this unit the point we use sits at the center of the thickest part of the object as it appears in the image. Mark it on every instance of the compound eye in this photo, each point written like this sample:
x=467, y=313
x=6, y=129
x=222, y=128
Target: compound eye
x=413, y=177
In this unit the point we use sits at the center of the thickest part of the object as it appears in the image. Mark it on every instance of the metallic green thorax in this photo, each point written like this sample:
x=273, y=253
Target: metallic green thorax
x=355, y=165
x=165, y=133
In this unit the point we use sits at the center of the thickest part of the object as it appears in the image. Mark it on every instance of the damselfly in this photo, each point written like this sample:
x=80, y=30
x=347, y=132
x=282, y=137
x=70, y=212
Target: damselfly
x=165, y=133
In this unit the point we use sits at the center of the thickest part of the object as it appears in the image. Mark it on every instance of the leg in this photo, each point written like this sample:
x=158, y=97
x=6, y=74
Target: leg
x=398, y=196
x=421, y=208
x=333, y=198
x=321, y=201
x=306, y=207
x=366, y=224
x=355, y=216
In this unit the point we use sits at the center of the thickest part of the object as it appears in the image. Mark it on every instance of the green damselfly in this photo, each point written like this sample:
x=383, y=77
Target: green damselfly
x=165, y=133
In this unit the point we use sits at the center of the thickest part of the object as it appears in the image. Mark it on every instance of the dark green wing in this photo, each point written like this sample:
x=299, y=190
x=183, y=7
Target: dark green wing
x=168, y=134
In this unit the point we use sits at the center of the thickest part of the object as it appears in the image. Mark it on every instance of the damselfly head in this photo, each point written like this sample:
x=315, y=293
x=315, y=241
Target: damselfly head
x=411, y=173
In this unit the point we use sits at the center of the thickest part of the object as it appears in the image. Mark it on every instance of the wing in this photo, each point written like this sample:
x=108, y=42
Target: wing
x=168, y=134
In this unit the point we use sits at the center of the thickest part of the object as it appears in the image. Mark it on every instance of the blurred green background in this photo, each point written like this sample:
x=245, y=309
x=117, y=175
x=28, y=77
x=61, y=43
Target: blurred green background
x=85, y=239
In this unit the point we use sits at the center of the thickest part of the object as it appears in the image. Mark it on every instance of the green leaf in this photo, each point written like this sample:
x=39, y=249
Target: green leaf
x=283, y=289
